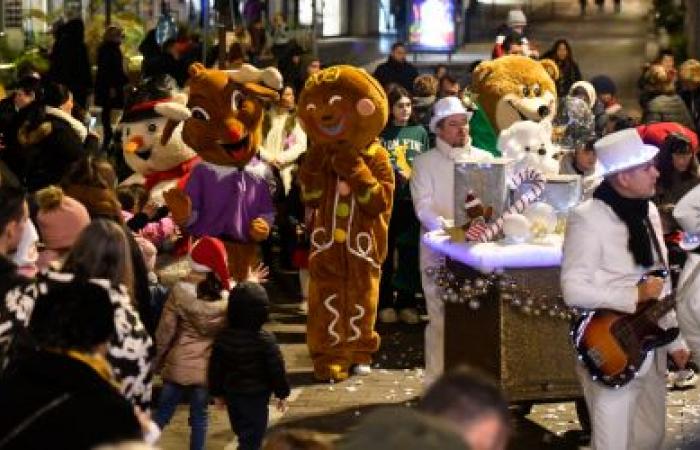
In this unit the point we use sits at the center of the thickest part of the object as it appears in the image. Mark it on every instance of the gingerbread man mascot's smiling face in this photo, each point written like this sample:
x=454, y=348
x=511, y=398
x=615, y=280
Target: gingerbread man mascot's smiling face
x=343, y=106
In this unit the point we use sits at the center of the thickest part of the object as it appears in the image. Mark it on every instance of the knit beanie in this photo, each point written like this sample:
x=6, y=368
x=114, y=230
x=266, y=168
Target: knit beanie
x=209, y=255
x=603, y=84
x=61, y=218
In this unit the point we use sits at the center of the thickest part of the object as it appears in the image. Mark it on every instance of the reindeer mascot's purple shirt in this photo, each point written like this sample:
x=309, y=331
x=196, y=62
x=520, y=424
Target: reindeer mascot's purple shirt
x=234, y=197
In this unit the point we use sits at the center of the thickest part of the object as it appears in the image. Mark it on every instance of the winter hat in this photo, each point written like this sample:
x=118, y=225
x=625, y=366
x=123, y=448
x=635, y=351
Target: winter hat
x=209, y=254
x=141, y=100
x=603, y=84
x=61, y=218
x=623, y=150
x=588, y=88
x=656, y=133
x=516, y=17
x=445, y=107
x=248, y=306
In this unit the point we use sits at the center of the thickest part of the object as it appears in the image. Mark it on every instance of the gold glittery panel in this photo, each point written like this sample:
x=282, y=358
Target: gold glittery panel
x=529, y=355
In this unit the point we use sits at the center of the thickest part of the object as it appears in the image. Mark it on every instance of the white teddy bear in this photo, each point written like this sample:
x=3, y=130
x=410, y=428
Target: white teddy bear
x=529, y=145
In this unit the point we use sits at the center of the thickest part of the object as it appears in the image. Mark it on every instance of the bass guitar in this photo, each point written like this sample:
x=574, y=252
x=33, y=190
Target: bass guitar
x=613, y=345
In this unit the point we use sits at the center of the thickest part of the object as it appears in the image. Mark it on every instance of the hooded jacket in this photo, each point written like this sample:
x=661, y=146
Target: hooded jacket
x=246, y=359
x=186, y=333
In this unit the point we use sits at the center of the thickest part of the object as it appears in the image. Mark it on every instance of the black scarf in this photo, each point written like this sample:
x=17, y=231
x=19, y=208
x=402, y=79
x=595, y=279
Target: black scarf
x=635, y=213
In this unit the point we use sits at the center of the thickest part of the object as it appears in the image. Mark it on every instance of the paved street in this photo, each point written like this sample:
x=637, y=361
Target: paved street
x=609, y=44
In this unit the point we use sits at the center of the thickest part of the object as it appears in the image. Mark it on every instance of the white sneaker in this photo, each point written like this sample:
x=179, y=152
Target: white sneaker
x=409, y=316
x=685, y=379
x=361, y=370
x=388, y=315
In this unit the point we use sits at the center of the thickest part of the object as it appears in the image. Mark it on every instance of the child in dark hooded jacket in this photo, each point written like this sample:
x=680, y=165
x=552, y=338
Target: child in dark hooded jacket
x=246, y=366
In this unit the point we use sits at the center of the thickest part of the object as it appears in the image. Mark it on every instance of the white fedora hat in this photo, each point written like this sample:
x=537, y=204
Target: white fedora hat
x=445, y=107
x=622, y=150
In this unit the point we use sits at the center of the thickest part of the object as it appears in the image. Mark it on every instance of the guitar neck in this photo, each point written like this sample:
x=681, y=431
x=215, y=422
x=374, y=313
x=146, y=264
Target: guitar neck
x=656, y=310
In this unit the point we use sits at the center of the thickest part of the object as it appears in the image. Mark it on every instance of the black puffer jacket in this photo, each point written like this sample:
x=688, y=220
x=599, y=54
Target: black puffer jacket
x=247, y=362
x=246, y=359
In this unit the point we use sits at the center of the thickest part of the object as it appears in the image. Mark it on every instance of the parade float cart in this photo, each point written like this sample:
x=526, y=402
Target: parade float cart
x=504, y=312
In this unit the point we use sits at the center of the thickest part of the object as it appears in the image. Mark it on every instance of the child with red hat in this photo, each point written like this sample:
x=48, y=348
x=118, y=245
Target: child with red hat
x=193, y=314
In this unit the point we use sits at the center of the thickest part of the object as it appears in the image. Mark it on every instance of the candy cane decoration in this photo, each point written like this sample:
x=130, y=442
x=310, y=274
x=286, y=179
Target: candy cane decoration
x=483, y=232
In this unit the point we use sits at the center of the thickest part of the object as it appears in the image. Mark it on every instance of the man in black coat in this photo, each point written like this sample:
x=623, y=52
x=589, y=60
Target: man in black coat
x=13, y=111
x=110, y=79
x=397, y=69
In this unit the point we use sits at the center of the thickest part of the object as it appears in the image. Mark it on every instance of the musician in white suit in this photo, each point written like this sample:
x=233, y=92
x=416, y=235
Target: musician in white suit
x=432, y=190
x=608, y=249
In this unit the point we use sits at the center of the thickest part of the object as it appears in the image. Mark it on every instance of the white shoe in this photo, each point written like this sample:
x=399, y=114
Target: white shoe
x=361, y=370
x=685, y=379
x=409, y=316
x=388, y=315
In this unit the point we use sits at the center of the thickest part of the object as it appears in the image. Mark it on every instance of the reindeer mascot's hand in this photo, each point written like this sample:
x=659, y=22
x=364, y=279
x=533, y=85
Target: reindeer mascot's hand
x=259, y=229
x=180, y=206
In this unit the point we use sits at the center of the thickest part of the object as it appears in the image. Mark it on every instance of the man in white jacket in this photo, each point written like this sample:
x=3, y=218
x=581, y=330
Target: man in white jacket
x=608, y=248
x=432, y=189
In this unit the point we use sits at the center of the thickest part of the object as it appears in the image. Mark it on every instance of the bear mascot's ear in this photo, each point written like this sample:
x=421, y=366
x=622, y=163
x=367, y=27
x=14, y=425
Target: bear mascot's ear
x=551, y=68
x=482, y=72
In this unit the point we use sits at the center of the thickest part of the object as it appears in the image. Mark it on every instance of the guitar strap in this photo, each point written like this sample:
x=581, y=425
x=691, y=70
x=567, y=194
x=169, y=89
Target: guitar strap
x=656, y=243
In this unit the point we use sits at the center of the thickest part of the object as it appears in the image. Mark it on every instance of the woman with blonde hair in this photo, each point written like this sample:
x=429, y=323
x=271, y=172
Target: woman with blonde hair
x=689, y=78
x=102, y=251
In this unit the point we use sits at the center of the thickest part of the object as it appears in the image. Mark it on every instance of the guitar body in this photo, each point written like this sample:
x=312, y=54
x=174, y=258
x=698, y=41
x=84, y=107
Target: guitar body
x=613, y=345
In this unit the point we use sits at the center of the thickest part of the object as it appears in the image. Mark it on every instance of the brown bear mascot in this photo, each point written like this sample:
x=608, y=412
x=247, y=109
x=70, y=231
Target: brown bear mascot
x=348, y=180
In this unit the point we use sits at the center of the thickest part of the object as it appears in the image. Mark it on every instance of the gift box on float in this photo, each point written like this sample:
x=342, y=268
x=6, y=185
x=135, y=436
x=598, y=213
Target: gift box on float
x=562, y=192
x=487, y=181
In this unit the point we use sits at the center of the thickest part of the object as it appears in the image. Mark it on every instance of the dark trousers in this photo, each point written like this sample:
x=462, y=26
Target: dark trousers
x=106, y=119
x=400, y=216
x=248, y=415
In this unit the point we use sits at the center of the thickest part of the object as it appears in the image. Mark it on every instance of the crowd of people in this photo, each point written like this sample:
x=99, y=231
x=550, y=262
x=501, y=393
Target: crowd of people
x=86, y=324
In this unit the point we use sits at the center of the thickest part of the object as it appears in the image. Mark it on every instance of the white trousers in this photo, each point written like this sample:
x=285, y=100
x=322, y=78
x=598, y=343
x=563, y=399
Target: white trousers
x=632, y=417
x=434, y=332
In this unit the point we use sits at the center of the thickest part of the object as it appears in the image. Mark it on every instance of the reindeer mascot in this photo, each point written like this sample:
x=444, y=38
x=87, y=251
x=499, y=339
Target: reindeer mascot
x=226, y=196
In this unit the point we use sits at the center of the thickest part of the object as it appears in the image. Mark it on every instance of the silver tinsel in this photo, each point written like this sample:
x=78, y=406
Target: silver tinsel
x=453, y=288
